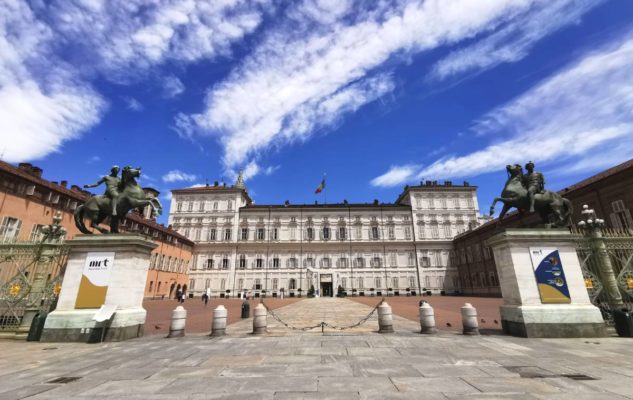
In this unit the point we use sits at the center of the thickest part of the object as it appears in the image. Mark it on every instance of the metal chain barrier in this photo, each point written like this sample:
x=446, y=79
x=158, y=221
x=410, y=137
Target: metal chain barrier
x=321, y=324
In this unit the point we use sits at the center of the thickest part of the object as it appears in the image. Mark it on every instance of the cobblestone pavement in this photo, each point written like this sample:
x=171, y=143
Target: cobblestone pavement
x=337, y=312
x=354, y=365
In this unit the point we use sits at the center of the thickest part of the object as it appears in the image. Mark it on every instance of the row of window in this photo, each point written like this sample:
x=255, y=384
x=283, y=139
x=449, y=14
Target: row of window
x=480, y=279
x=166, y=263
x=311, y=262
x=10, y=230
x=443, y=203
x=41, y=194
x=184, y=206
x=395, y=283
x=324, y=233
x=310, y=233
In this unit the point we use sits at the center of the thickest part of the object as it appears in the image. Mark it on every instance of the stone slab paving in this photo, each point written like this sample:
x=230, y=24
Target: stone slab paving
x=337, y=312
x=360, y=364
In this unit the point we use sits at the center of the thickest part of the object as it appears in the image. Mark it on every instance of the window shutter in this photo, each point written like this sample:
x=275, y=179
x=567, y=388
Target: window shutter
x=18, y=225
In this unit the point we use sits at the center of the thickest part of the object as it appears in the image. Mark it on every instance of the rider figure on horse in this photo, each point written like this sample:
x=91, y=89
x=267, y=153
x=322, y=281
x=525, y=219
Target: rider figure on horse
x=534, y=182
x=112, y=183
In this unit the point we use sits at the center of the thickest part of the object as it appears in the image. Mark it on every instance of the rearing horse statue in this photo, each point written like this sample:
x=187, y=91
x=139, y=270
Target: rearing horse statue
x=131, y=196
x=554, y=210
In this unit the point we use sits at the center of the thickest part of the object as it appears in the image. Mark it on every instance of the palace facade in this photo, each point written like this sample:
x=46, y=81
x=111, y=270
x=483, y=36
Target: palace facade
x=376, y=248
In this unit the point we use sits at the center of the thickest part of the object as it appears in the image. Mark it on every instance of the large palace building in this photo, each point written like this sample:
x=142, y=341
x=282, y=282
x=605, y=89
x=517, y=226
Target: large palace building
x=372, y=248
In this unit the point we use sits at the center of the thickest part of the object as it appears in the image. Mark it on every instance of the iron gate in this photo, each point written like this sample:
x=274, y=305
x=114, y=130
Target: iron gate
x=31, y=274
x=619, y=249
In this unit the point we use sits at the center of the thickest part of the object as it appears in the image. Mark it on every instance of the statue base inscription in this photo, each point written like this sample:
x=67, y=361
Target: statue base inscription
x=542, y=285
x=102, y=270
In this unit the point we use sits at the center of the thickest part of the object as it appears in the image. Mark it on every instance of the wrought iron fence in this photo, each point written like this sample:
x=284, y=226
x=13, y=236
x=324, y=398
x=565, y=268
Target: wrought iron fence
x=31, y=274
x=619, y=249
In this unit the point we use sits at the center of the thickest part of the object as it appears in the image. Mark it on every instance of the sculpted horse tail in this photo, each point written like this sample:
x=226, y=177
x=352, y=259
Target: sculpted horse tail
x=79, y=219
x=569, y=209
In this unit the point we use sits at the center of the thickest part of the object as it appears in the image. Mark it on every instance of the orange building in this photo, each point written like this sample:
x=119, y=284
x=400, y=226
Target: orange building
x=28, y=203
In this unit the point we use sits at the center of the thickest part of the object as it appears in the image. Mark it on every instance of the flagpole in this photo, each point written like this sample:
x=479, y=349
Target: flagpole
x=325, y=191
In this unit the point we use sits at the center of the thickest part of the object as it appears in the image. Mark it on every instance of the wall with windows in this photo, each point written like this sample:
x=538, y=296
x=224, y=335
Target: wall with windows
x=356, y=246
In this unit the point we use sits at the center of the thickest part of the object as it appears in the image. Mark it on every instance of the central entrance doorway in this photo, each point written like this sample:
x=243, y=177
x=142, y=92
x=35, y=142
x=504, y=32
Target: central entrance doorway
x=326, y=285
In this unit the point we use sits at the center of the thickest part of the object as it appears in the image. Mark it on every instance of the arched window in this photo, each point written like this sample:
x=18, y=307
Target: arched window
x=292, y=284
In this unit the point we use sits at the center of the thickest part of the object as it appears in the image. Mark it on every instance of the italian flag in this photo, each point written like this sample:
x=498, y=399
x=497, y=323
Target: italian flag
x=321, y=187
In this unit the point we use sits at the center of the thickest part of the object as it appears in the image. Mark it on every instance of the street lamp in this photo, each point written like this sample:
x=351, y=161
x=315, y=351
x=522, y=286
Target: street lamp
x=592, y=227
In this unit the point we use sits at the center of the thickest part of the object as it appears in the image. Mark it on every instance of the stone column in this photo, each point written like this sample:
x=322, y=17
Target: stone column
x=178, y=320
x=469, y=320
x=259, y=319
x=385, y=318
x=427, y=319
x=218, y=325
x=527, y=311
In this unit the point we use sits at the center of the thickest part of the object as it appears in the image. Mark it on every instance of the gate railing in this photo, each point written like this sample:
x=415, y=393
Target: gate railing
x=31, y=274
x=616, y=248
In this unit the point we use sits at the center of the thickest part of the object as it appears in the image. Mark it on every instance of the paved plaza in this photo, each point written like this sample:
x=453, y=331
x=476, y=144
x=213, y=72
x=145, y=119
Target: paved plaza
x=351, y=364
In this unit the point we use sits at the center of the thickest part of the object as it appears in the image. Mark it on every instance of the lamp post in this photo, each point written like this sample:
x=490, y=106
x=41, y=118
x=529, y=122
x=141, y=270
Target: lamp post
x=592, y=226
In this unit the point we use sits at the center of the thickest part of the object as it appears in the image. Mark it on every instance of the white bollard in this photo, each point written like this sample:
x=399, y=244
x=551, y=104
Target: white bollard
x=259, y=319
x=469, y=320
x=385, y=318
x=177, y=326
x=427, y=319
x=218, y=325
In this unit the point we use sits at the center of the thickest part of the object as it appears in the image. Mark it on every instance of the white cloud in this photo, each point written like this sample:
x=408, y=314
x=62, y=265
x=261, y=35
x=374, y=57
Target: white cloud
x=51, y=51
x=395, y=176
x=581, y=111
x=126, y=37
x=172, y=86
x=38, y=112
x=178, y=176
x=305, y=76
x=251, y=170
x=513, y=42
x=132, y=104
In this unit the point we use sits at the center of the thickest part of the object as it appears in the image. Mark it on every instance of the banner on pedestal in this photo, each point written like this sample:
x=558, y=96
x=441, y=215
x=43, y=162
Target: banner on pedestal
x=549, y=274
x=94, y=280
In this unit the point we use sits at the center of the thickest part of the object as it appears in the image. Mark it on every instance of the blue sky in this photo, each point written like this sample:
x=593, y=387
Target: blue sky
x=375, y=94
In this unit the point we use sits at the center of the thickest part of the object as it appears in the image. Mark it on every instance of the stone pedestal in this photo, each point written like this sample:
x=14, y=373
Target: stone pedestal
x=535, y=310
x=122, y=285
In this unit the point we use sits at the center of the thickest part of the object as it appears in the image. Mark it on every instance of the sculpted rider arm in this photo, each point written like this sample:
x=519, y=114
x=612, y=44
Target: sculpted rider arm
x=99, y=182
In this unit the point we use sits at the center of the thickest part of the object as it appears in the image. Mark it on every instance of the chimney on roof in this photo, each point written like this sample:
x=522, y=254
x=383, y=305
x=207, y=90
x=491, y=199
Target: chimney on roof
x=216, y=184
x=427, y=183
x=75, y=188
x=375, y=202
x=63, y=183
x=30, y=169
x=466, y=183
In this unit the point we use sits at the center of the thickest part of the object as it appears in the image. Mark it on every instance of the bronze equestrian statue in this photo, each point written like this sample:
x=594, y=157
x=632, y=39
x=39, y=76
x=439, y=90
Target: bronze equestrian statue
x=527, y=193
x=121, y=196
